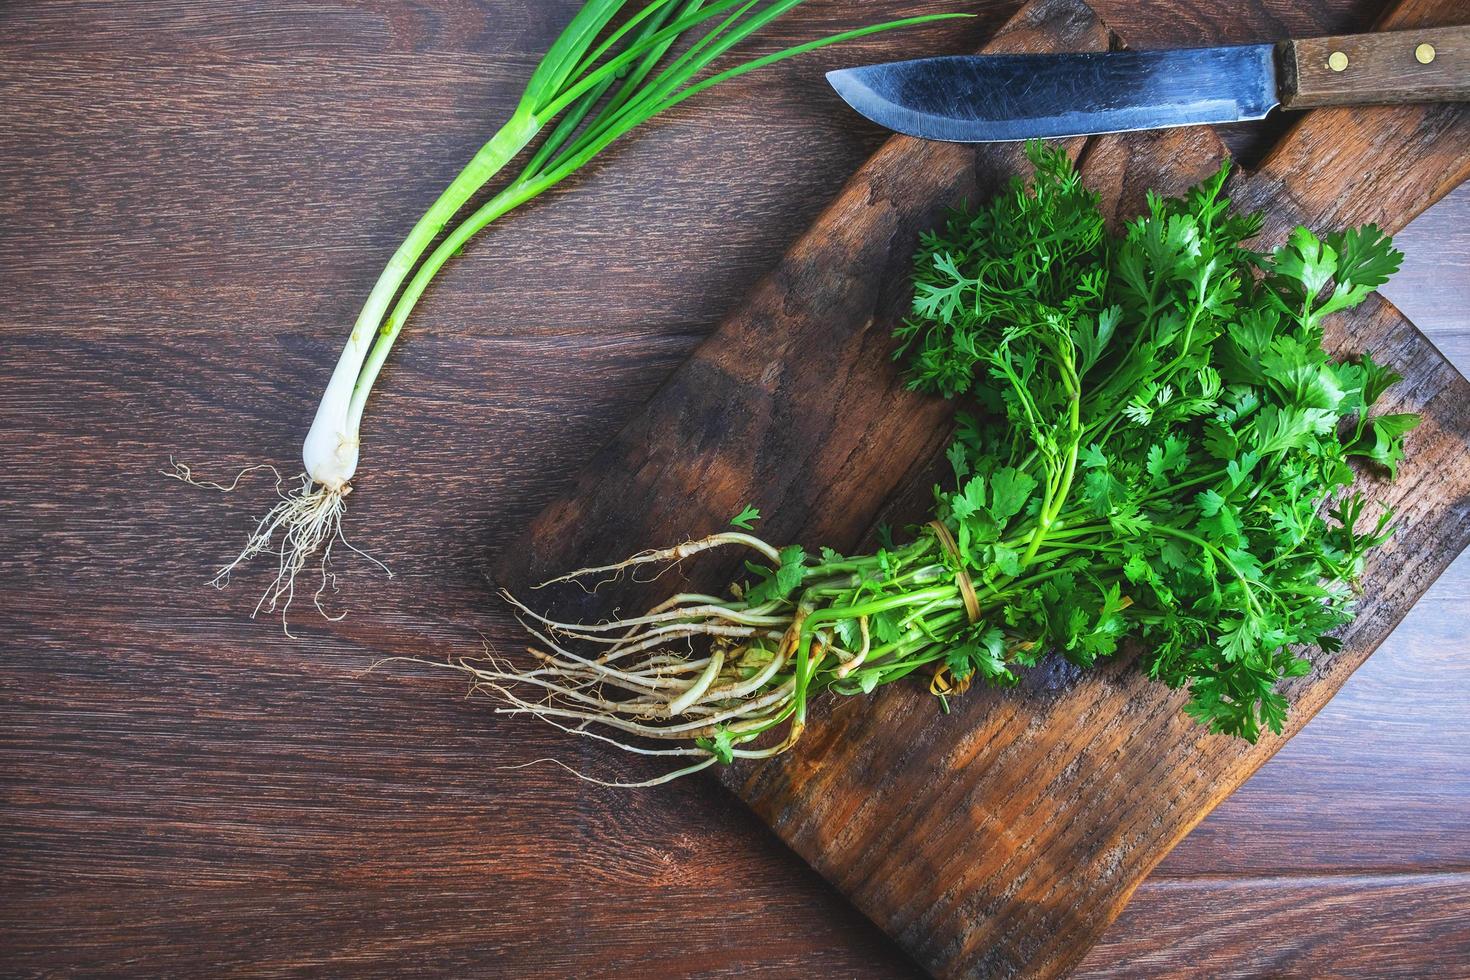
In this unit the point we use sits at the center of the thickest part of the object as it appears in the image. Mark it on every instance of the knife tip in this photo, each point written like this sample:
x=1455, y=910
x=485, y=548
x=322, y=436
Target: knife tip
x=841, y=80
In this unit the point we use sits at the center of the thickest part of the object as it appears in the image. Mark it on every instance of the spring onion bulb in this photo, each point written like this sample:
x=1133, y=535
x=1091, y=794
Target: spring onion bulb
x=597, y=82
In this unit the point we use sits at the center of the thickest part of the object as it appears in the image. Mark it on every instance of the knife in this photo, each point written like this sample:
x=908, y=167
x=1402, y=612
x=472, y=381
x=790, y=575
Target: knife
x=990, y=98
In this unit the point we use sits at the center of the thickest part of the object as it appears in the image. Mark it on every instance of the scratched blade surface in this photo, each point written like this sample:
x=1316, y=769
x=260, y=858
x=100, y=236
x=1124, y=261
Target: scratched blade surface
x=992, y=98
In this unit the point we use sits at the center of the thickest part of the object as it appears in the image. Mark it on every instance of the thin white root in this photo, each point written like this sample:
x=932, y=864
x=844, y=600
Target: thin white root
x=690, y=668
x=309, y=522
x=745, y=688
x=656, y=781
x=714, y=609
x=659, y=635
x=684, y=730
x=569, y=696
x=632, y=749
x=595, y=667
x=178, y=471
x=675, y=554
x=701, y=684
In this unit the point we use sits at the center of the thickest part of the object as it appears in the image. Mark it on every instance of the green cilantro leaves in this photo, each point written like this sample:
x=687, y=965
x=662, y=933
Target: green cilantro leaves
x=1154, y=447
x=1161, y=445
x=745, y=520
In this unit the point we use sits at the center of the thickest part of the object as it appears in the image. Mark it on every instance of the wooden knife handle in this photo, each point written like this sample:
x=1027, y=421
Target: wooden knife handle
x=1428, y=65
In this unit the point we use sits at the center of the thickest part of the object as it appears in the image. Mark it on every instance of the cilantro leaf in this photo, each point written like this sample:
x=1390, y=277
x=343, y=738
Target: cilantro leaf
x=791, y=570
x=745, y=520
x=1010, y=489
x=720, y=745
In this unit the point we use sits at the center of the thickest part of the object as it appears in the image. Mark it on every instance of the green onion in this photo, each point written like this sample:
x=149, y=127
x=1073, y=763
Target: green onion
x=596, y=83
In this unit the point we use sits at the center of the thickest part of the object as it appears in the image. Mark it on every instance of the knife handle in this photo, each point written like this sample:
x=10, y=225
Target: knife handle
x=1428, y=65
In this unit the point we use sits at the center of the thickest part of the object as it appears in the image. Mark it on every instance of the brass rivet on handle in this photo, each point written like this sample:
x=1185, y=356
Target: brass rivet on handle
x=1337, y=61
x=1424, y=53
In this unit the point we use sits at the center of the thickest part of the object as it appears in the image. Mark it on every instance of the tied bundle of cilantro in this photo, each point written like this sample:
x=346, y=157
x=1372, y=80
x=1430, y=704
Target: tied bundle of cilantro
x=1162, y=448
x=1156, y=449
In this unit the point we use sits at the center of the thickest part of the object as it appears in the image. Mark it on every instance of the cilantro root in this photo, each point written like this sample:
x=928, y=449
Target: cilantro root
x=675, y=554
x=1156, y=449
x=746, y=695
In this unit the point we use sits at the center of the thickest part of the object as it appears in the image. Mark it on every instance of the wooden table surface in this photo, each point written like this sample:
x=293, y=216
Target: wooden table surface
x=193, y=197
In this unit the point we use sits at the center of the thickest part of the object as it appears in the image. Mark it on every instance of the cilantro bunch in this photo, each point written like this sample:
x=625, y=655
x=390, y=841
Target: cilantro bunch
x=1161, y=446
x=1156, y=450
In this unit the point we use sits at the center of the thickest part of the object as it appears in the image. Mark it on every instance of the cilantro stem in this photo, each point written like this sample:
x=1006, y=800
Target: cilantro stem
x=1057, y=497
x=871, y=608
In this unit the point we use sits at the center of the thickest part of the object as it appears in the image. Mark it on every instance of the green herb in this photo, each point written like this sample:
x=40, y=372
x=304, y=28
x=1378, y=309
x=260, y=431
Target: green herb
x=1162, y=423
x=1159, y=450
x=745, y=520
x=613, y=68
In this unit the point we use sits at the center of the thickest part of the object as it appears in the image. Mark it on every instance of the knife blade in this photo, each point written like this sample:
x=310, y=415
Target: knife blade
x=993, y=98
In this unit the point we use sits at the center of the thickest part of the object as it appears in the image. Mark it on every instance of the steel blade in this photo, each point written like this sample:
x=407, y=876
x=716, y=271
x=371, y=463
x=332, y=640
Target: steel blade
x=991, y=98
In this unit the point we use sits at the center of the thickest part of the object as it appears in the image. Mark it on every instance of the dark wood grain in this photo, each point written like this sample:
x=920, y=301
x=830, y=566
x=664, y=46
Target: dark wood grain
x=1333, y=927
x=193, y=197
x=1000, y=840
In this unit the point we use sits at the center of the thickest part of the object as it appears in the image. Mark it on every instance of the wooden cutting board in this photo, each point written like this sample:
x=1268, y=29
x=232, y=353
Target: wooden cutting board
x=1001, y=839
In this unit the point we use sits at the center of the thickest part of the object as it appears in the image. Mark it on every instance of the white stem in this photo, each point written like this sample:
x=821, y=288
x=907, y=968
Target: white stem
x=743, y=688
x=330, y=449
x=862, y=653
x=700, y=685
